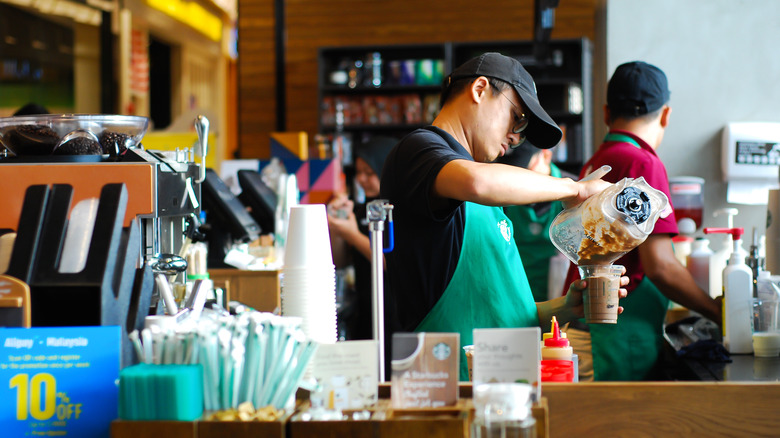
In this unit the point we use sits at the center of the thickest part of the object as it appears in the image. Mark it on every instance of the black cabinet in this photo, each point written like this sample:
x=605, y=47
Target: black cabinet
x=391, y=90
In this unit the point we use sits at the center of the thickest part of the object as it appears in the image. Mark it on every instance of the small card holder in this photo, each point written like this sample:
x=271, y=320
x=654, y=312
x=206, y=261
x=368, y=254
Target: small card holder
x=14, y=302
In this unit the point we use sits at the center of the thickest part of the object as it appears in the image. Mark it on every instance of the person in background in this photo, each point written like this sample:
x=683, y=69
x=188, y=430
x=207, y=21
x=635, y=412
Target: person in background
x=531, y=223
x=349, y=228
x=31, y=109
x=455, y=266
x=637, y=113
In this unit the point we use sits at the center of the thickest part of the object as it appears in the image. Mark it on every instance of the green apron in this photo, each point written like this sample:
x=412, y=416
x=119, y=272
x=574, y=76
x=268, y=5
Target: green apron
x=489, y=288
x=532, y=236
x=630, y=349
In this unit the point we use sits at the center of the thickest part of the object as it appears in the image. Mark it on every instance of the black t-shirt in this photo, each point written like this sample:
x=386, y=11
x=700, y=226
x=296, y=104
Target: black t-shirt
x=428, y=230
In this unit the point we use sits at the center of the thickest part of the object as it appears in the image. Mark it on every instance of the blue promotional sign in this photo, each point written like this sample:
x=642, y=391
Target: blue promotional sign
x=59, y=381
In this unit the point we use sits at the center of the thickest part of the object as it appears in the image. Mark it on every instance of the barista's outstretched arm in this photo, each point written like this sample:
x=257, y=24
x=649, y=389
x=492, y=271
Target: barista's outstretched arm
x=672, y=279
x=501, y=184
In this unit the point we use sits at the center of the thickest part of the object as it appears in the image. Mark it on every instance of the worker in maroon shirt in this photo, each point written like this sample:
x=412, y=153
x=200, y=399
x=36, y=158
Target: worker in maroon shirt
x=637, y=113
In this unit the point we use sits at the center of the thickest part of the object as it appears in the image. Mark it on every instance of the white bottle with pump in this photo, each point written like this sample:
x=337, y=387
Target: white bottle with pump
x=737, y=292
x=698, y=264
x=721, y=256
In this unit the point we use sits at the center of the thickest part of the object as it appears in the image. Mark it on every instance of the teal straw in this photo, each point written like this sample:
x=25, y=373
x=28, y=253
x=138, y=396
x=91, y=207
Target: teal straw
x=271, y=381
x=169, y=339
x=300, y=368
x=180, y=340
x=223, y=336
x=191, y=356
x=211, y=369
x=250, y=363
x=146, y=335
x=237, y=356
x=262, y=348
x=289, y=368
x=139, y=352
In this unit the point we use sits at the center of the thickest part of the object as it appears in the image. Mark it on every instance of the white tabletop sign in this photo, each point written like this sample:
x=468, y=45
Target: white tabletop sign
x=510, y=355
x=347, y=375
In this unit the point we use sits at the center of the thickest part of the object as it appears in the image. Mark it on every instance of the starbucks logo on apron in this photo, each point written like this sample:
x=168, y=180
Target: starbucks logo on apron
x=506, y=231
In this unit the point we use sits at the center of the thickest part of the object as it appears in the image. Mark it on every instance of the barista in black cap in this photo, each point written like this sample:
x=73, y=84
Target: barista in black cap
x=637, y=113
x=348, y=225
x=455, y=266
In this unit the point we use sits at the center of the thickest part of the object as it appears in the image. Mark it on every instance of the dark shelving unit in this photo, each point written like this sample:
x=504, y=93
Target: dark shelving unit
x=401, y=102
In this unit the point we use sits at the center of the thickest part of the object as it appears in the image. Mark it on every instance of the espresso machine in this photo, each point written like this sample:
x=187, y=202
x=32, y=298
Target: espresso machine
x=142, y=207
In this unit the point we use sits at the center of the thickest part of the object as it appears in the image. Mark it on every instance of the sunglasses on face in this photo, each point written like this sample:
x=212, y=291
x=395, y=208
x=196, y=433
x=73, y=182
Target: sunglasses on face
x=519, y=124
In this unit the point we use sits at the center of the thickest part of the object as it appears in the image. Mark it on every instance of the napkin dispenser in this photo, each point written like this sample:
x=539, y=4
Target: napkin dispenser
x=110, y=290
x=749, y=160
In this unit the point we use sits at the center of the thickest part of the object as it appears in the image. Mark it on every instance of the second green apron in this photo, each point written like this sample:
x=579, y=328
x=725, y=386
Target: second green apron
x=630, y=349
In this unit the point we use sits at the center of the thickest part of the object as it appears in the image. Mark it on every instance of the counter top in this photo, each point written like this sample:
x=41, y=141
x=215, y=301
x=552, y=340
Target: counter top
x=742, y=368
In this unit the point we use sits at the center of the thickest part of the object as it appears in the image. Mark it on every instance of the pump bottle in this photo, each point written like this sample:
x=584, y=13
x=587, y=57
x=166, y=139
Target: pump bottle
x=737, y=292
x=720, y=257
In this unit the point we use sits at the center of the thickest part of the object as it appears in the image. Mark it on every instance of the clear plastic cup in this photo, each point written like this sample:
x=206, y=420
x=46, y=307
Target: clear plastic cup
x=602, y=294
x=503, y=410
x=766, y=332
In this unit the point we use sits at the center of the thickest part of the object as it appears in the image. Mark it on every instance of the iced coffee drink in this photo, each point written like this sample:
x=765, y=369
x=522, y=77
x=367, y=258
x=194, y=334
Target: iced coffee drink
x=600, y=299
x=469, y=350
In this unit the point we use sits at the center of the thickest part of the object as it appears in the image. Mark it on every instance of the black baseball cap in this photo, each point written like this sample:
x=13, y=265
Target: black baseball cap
x=637, y=88
x=542, y=131
x=375, y=151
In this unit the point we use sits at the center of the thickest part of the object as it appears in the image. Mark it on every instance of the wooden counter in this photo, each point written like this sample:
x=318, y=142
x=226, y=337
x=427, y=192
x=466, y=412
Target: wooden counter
x=259, y=290
x=614, y=409
x=659, y=409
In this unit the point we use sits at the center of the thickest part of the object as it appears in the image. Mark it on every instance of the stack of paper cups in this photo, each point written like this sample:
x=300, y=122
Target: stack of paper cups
x=308, y=275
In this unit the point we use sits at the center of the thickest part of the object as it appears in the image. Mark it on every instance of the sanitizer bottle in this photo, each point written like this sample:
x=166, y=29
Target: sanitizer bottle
x=737, y=290
x=721, y=255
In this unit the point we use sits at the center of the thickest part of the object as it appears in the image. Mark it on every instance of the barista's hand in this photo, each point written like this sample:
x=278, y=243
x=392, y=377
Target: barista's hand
x=574, y=296
x=586, y=190
x=570, y=306
x=588, y=186
x=341, y=217
x=719, y=302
